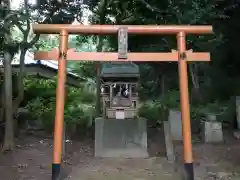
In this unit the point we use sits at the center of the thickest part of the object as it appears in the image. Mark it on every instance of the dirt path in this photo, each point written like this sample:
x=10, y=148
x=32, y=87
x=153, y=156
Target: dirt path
x=32, y=161
x=127, y=169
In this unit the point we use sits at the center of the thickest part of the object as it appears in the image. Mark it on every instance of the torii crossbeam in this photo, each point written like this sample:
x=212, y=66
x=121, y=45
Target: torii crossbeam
x=109, y=56
x=181, y=55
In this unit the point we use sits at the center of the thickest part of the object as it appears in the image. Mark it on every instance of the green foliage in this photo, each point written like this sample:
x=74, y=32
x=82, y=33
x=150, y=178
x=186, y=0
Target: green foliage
x=151, y=110
x=79, y=107
x=170, y=99
x=156, y=79
x=157, y=110
x=55, y=12
x=224, y=110
x=216, y=82
x=43, y=45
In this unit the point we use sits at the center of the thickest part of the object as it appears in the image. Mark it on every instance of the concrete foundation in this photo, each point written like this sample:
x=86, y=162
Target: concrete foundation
x=121, y=138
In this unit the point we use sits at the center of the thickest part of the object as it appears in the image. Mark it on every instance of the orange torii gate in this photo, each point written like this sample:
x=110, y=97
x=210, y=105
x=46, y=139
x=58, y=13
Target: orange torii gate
x=181, y=55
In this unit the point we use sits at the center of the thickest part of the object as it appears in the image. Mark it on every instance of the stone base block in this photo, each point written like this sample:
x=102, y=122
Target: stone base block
x=212, y=131
x=236, y=135
x=168, y=142
x=175, y=121
x=121, y=138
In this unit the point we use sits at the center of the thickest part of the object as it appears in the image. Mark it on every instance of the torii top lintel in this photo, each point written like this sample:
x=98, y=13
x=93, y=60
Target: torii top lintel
x=112, y=29
x=69, y=54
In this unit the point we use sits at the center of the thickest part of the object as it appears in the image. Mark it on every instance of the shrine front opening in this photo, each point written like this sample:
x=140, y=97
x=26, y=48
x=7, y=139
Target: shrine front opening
x=181, y=56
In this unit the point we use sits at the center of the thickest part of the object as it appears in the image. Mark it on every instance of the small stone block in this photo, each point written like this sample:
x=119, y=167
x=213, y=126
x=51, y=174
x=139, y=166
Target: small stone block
x=168, y=142
x=212, y=132
x=238, y=110
x=175, y=121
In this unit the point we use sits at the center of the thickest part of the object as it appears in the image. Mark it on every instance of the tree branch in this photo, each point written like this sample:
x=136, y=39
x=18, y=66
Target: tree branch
x=151, y=7
x=34, y=40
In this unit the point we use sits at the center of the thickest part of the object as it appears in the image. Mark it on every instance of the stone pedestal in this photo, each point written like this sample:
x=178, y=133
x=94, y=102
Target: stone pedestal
x=238, y=111
x=212, y=131
x=168, y=142
x=175, y=121
x=121, y=138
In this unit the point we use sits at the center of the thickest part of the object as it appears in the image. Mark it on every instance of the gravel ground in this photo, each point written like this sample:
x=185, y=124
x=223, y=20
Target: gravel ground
x=31, y=160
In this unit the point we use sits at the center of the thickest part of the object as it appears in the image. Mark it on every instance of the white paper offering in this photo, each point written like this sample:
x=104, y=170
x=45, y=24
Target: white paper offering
x=120, y=115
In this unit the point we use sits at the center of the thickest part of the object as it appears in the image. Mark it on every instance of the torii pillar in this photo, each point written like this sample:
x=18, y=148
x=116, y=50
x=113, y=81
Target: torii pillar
x=181, y=56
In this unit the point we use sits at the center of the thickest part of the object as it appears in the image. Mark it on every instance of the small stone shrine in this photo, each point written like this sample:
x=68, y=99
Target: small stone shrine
x=120, y=132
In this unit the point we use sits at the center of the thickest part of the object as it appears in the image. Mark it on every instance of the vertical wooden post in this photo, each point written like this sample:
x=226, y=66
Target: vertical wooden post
x=64, y=140
x=60, y=97
x=185, y=109
x=111, y=94
x=130, y=93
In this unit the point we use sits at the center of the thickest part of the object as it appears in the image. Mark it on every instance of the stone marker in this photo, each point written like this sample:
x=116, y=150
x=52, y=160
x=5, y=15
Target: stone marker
x=168, y=142
x=211, y=117
x=236, y=134
x=175, y=121
x=212, y=130
x=121, y=138
x=238, y=111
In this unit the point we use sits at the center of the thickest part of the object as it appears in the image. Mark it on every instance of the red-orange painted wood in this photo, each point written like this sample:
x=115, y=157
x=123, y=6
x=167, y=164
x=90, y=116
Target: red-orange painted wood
x=177, y=56
x=113, y=29
x=109, y=56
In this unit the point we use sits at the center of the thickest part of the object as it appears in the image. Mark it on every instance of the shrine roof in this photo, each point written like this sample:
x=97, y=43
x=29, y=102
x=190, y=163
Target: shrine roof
x=120, y=70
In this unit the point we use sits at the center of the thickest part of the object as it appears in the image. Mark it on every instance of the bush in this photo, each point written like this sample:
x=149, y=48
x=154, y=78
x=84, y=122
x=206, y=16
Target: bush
x=157, y=110
x=151, y=110
x=79, y=103
x=224, y=110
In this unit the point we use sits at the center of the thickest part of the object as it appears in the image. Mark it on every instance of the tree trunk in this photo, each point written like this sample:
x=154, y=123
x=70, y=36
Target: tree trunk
x=98, y=101
x=163, y=84
x=19, y=89
x=193, y=76
x=20, y=85
x=196, y=94
x=98, y=84
x=9, y=125
x=102, y=18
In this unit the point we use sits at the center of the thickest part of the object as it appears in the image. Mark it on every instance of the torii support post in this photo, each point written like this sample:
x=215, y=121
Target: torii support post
x=60, y=98
x=181, y=56
x=185, y=109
